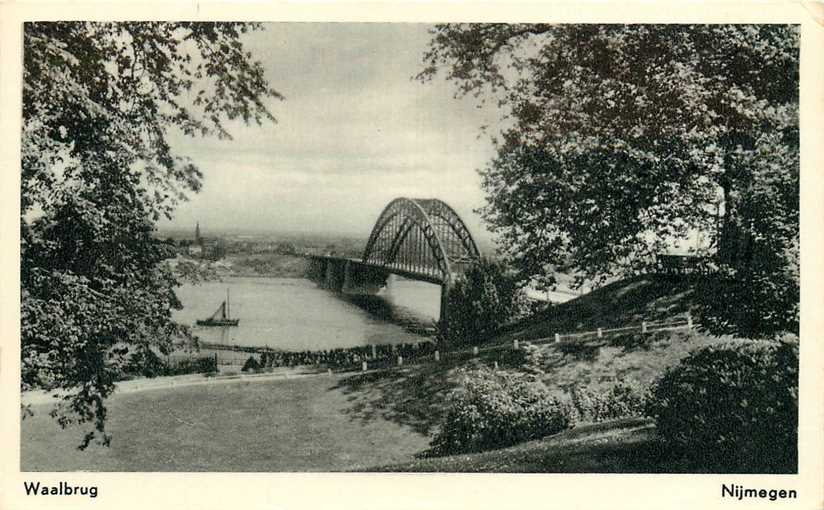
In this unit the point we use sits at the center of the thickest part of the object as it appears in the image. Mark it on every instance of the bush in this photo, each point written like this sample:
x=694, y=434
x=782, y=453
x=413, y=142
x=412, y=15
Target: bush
x=201, y=365
x=732, y=407
x=143, y=363
x=534, y=359
x=146, y=363
x=620, y=401
x=496, y=409
x=251, y=365
x=484, y=298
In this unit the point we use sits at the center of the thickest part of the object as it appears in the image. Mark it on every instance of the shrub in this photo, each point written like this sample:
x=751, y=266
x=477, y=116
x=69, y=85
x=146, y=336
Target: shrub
x=496, y=409
x=143, y=363
x=534, y=359
x=621, y=401
x=484, y=298
x=732, y=407
x=146, y=363
x=250, y=365
x=201, y=365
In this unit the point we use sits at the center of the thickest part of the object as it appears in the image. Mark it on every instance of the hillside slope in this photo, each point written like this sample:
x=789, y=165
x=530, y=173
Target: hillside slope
x=620, y=303
x=630, y=357
x=418, y=394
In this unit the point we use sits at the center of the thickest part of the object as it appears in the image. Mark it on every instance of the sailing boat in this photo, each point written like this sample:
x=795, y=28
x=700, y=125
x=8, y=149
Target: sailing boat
x=220, y=317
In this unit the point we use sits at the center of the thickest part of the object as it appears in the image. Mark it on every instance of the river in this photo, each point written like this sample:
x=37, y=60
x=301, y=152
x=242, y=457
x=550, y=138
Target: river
x=294, y=314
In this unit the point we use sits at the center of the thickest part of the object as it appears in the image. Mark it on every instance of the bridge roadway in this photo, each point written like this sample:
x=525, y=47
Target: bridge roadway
x=355, y=277
x=358, y=264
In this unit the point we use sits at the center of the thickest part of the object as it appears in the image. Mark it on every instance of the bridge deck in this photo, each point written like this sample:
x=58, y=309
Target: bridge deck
x=412, y=275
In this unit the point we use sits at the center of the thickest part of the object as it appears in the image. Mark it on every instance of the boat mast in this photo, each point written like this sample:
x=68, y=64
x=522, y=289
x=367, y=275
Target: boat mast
x=228, y=310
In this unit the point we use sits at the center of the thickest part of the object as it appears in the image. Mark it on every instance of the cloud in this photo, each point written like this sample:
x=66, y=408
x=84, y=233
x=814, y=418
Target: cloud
x=354, y=132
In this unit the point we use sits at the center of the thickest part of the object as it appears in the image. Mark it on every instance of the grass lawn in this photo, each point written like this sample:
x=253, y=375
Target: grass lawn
x=285, y=425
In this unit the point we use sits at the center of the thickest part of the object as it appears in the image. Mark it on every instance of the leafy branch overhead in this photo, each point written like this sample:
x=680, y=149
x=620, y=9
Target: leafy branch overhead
x=101, y=102
x=620, y=141
x=123, y=88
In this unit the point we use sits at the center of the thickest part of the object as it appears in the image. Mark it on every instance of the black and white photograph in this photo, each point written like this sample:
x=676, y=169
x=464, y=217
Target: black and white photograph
x=531, y=248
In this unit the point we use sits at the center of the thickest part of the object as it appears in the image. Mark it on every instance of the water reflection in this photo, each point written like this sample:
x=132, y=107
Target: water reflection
x=382, y=308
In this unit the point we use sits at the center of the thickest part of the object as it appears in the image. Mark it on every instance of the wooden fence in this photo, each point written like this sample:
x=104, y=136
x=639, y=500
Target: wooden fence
x=682, y=265
x=233, y=355
x=643, y=328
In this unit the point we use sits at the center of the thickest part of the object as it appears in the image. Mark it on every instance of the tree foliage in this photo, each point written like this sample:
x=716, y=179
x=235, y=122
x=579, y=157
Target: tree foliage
x=619, y=140
x=100, y=103
x=483, y=299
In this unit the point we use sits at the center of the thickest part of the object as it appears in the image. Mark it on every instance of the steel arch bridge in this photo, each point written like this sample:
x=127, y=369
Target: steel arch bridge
x=418, y=238
x=424, y=239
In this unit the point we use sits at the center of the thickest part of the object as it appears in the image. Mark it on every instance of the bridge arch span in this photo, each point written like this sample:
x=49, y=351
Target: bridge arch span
x=423, y=238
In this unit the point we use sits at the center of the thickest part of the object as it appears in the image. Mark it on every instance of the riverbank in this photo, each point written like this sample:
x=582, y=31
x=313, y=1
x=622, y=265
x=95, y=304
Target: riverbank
x=269, y=265
x=264, y=265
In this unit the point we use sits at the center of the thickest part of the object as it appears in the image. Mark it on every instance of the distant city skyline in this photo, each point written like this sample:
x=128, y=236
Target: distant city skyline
x=354, y=132
x=485, y=244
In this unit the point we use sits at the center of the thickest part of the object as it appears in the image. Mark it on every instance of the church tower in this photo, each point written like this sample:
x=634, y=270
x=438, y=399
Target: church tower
x=197, y=232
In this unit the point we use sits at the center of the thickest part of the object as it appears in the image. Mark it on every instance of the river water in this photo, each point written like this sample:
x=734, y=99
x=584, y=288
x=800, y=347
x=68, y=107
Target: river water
x=295, y=314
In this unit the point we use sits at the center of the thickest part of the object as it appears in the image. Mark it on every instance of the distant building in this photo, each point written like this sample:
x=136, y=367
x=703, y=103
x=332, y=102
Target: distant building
x=196, y=248
x=212, y=248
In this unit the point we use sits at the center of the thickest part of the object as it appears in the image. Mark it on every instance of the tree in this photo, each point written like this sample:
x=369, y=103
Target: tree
x=100, y=101
x=620, y=140
x=483, y=299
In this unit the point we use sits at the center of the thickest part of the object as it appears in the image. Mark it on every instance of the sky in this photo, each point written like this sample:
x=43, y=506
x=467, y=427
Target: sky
x=354, y=132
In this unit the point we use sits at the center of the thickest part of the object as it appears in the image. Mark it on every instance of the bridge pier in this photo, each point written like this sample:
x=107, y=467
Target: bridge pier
x=361, y=279
x=335, y=274
x=316, y=270
x=443, y=319
x=346, y=276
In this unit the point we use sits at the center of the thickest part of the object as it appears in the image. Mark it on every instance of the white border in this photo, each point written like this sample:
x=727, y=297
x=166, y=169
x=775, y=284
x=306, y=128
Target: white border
x=367, y=491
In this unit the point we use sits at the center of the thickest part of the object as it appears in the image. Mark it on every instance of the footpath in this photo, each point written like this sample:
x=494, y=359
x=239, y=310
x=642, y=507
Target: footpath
x=36, y=397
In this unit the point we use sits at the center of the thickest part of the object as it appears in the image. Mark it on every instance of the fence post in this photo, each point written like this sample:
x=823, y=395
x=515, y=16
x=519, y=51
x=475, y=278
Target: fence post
x=363, y=366
x=400, y=360
x=643, y=327
x=437, y=356
x=557, y=338
x=689, y=320
x=496, y=366
x=515, y=344
x=475, y=351
x=600, y=333
x=329, y=372
x=374, y=351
